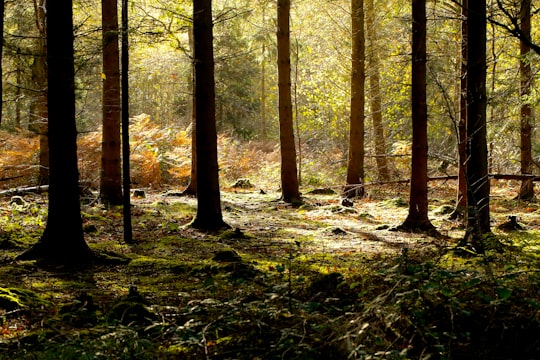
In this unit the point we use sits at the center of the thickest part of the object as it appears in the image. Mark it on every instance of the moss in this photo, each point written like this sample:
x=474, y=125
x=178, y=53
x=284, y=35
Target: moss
x=17, y=298
x=227, y=256
x=235, y=234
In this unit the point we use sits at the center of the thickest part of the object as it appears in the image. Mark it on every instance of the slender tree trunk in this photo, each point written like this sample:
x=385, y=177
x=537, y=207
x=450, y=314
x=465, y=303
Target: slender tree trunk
x=263, y=80
x=375, y=94
x=39, y=112
x=289, y=176
x=2, y=13
x=191, y=189
x=208, y=215
x=18, y=79
x=126, y=183
x=417, y=219
x=526, y=191
x=63, y=240
x=355, y=165
x=296, y=112
x=461, y=201
x=477, y=153
x=111, y=174
x=263, y=95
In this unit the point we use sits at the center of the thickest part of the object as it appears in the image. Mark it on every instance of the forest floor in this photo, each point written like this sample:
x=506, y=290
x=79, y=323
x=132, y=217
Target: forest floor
x=318, y=281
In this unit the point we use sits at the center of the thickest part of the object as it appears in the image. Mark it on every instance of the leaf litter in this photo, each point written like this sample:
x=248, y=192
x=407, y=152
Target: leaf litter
x=310, y=282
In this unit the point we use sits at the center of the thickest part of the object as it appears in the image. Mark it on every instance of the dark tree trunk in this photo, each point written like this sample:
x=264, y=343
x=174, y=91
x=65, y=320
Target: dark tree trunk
x=289, y=172
x=526, y=191
x=111, y=174
x=478, y=216
x=2, y=13
x=126, y=183
x=355, y=165
x=208, y=215
x=417, y=219
x=62, y=241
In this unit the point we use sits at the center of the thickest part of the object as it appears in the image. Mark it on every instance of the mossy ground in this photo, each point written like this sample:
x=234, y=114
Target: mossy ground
x=311, y=282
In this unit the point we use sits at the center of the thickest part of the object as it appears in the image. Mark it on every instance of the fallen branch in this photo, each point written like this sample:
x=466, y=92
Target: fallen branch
x=25, y=190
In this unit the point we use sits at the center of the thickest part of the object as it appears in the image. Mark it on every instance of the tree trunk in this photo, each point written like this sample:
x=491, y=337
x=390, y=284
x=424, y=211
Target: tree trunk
x=289, y=176
x=2, y=13
x=375, y=93
x=263, y=79
x=126, y=183
x=461, y=201
x=355, y=165
x=39, y=112
x=478, y=216
x=417, y=219
x=63, y=240
x=111, y=174
x=526, y=191
x=191, y=189
x=208, y=215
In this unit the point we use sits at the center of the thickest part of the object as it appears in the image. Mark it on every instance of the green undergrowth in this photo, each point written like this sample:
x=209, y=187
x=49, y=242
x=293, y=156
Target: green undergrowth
x=283, y=283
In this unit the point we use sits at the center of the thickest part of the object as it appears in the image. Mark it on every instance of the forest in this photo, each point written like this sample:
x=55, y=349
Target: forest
x=258, y=179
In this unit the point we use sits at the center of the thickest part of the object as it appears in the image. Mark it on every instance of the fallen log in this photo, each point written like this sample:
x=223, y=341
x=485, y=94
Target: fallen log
x=25, y=190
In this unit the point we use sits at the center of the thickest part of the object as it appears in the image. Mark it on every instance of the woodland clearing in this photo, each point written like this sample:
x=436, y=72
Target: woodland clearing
x=317, y=281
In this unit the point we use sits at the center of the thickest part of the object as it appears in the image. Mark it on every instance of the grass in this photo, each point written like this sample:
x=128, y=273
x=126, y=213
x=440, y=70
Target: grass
x=304, y=283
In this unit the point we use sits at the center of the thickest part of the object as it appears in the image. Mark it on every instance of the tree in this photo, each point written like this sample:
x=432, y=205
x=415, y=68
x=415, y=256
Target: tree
x=2, y=13
x=126, y=183
x=62, y=240
x=375, y=98
x=461, y=201
x=39, y=110
x=208, y=215
x=417, y=219
x=477, y=154
x=111, y=174
x=289, y=175
x=355, y=165
x=526, y=191
x=191, y=188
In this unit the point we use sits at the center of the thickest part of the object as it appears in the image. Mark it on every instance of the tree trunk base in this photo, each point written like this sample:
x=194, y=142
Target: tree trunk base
x=210, y=226
x=418, y=227
x=49, y=255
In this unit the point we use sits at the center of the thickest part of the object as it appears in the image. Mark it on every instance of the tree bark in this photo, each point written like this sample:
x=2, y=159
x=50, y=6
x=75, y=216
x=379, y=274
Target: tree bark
x=191, y=188
x=417, y=219
x=375, y=93
x=63, y=240
x=209, y=216
x=478, y=216
x=526, y=191
x=355, y=165
x=461, y=201
x=2, y=14
x=289, y=175
x=111, y=174
x=126, y=169
x=39, y=112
